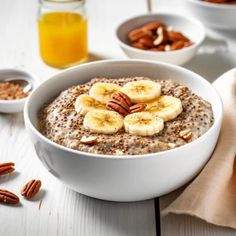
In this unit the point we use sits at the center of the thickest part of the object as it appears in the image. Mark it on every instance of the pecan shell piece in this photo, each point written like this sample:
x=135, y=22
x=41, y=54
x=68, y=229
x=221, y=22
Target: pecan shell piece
x=6, y=168
x=8, y=197
x=31, y=188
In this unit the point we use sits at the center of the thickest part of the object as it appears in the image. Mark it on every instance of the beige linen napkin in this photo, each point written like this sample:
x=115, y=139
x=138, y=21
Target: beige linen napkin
x=212, y=195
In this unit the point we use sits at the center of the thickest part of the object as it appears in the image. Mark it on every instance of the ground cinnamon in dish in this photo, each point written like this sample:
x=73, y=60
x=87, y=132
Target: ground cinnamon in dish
x=11, y=91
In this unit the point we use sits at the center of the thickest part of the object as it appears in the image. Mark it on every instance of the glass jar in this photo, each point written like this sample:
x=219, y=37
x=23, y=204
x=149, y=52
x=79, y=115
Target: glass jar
x=62, y=26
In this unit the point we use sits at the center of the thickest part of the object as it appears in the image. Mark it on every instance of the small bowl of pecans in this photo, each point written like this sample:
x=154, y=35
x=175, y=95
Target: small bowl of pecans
x=163, y=37
x=15, y=87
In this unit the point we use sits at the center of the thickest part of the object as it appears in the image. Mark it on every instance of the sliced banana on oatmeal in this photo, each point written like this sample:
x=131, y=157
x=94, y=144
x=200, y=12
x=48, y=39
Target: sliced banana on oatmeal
x=166, y=107
x=85, y=103
x=143, y=124
x=103, y=91
x=103, y=122
x=142, y=90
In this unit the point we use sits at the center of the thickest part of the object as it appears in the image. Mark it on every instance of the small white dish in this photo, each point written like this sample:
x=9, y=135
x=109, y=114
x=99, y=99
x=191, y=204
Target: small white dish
x=14, y=106
x=126, y=178
x=190, y=27
x=219, y=16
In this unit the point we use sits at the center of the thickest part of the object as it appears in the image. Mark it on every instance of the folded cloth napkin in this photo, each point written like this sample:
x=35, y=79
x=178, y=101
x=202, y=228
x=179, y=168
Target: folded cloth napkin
x=212, y=195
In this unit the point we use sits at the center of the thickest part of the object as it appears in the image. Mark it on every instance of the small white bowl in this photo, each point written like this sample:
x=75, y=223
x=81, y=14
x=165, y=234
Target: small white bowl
x=219, y=16
x=190, y=27
x=123, y=178
x=14, y=106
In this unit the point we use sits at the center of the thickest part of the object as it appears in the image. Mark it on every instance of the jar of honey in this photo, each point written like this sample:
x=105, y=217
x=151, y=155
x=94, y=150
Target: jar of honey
x=62, y=26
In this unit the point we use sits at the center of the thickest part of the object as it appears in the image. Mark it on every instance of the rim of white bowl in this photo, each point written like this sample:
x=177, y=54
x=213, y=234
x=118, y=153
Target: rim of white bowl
x=213, y=5
x=145, y=52
x=35, y=81
x=123, y=157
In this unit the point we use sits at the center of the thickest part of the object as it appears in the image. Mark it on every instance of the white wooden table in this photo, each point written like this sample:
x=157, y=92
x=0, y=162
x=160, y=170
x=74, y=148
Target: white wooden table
x=64, y=212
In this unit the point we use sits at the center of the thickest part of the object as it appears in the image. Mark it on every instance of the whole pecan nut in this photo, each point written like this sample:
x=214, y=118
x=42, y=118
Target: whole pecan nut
x=137, y=107
x=122, y=97
x=8, y=197
x=6, y=168
x=118, y=107
x=31, y=188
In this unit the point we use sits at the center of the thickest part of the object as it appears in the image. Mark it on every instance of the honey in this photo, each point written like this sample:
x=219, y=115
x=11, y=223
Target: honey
x=63, y=38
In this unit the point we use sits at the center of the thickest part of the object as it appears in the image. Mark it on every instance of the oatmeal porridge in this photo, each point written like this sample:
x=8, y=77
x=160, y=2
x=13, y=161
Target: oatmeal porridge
x=125, y=116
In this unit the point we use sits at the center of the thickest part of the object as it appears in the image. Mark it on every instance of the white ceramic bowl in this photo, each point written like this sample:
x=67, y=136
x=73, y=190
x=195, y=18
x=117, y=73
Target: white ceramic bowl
x=220, y=16
x=186, y=25
x=127, y=178
x=13, y=106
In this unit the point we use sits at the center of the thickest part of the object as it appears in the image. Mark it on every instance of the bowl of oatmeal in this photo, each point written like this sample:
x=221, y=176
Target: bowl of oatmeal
x=208, y=12
x=165, y=37
x=124, y=130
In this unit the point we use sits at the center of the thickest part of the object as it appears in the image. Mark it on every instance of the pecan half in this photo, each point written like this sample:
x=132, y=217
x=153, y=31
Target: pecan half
x=122, y=97
x=138, y=45
x=178, y=45
x=31, y=188
x=120, y=103
x=137, y=107
x=138, y=33
x=117, y=106
x=176, y=36
x=6, y=168
x=146, y=41
x=8, y=197
x=153, y=26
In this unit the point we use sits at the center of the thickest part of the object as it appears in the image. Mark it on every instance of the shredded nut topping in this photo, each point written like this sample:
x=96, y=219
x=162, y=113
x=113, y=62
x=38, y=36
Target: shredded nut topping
x=11, y=91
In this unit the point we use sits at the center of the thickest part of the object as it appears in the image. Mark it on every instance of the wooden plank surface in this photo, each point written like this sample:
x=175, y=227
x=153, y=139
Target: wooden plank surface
x=62, y=212
x=182, y=225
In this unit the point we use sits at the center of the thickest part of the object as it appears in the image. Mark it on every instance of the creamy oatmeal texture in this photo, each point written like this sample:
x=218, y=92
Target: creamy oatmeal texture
x=59, y=122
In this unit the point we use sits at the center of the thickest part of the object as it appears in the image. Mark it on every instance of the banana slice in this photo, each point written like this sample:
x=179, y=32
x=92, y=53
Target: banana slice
x=142, y=90
x=166, y=107
x=103, y=122
x=84, y=103
x=143, y=124
x=103, y=91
